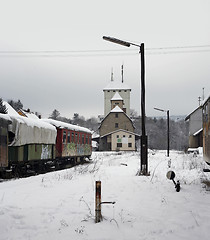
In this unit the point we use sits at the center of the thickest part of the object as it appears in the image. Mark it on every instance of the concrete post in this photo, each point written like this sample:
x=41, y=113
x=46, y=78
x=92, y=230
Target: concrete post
x=98, y=202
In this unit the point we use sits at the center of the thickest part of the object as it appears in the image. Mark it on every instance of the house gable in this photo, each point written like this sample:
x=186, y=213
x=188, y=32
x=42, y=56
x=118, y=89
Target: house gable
x=116, y=120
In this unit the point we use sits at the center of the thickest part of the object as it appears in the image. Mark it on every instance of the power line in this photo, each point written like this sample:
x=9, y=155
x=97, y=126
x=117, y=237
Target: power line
x=93, y=53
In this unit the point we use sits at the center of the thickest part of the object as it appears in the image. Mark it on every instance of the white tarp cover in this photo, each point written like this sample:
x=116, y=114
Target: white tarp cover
x=30, y=131
x=5, y=117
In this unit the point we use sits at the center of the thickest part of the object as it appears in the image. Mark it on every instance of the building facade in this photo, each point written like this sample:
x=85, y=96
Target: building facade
x=109, y=92
x=195, y=128
x=206, y=129
x=116, y=131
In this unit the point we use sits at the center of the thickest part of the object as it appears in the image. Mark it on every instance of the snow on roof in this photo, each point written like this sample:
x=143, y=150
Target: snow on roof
x=197, y=109
x=69, y=126
x=116, y=97
x=10, y=110
x=5, y=116
x=196, y=133
x=30, y=115
x=117, y=85
x=117, y=109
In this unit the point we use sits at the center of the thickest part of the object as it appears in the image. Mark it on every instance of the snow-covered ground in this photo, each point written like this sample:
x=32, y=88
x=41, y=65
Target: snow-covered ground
x=60, y=205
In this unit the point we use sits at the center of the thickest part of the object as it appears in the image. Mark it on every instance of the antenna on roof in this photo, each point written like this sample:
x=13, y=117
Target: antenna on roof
x=112, y=75
x=199, y=100
x=203, y=93
x=122, y=72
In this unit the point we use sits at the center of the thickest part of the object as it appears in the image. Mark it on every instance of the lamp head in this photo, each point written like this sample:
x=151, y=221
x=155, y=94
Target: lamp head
x=118, y=41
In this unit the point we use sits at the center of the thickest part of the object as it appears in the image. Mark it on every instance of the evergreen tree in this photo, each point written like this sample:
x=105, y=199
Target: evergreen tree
x=55, y=114
x=17, y=105
x=3, y=108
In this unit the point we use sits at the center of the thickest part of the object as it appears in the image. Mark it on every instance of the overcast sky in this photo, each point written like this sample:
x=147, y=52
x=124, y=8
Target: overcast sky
x=57, y=58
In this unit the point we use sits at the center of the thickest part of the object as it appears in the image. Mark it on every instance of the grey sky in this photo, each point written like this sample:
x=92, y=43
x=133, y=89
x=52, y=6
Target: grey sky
x=74, y=82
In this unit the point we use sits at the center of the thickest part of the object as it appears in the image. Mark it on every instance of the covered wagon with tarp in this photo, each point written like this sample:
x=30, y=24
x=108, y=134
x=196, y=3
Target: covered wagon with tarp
x=4, y=122
x=31, y=144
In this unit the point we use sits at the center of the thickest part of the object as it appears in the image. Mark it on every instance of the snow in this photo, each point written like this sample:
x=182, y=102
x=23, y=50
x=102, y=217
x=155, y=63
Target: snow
x=196, y=133
x=117, y=109
x=116, y=97
x=5, y=117
x=10, y=110
x=117, y=85
x=60, y=205
x=69, y=126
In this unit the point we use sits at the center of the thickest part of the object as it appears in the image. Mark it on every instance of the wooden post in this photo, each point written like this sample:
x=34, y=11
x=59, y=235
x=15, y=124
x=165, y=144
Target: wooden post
x=98, y=202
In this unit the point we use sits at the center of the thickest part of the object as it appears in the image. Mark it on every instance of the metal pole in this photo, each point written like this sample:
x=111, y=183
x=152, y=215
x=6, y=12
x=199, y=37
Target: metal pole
x=98, y=202
x=168, y=140
x=144, y=153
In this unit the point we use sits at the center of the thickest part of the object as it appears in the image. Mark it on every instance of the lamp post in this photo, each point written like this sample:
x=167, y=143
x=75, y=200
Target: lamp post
x=168, y=139
x=144, y=147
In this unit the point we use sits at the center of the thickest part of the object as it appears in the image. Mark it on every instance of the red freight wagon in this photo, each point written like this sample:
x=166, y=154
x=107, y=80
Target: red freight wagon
x=73, y=142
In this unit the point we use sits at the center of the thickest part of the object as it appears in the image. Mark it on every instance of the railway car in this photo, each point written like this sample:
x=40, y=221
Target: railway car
x=30, y=145
x=73, y=143
x=4, y=122
x=39, y=145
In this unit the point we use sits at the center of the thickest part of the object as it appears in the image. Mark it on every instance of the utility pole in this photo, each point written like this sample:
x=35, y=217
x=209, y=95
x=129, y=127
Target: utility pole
x=144, y=147
x=168, y=139
x=144, y=152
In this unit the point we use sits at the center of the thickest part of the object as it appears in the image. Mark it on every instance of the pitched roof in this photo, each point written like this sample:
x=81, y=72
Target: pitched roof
x=117, y=109
x=116, y=97
x=197, y=109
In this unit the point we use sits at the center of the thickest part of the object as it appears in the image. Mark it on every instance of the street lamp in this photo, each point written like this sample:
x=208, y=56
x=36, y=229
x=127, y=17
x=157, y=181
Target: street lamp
x=144, y=147
x=167, y=111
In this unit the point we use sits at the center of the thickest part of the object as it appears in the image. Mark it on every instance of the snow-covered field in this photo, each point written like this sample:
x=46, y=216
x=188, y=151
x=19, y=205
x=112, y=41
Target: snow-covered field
x=60, y=205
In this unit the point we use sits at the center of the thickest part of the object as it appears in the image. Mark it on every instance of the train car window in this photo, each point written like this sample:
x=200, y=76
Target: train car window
x=90, y=139
x=68, y=138
x=76, y=138
x=83, y=139
x=72, y=137
x=86, y=139
x=64, y=136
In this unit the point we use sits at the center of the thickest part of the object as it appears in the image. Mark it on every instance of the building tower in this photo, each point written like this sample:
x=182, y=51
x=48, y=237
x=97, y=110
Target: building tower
x=123, y=91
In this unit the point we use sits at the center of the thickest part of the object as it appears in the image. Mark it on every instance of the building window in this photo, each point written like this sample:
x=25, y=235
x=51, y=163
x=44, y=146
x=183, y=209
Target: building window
x=130, y=136
x=125, y=91
x=72, y=137
x=64, y=136
x=117, y=136
x=119, y=145
x=124, y=136
x=129, y=145
x=68, y=138
x=116, y=125
x=116, y=115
